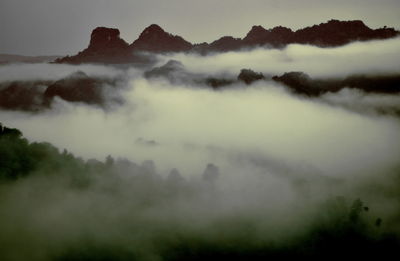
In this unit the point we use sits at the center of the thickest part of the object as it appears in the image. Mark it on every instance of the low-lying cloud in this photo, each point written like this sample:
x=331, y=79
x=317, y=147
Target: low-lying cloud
x=199, y=169
x=356, y=58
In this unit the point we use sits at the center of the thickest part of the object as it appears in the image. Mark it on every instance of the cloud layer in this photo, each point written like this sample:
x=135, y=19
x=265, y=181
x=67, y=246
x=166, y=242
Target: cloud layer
x=277, y=162
x=356, y=58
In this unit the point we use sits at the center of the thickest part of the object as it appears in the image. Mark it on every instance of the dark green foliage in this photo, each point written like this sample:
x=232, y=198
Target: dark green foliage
x=19, y=158
x=15, y=160
x=119, y=224
x=355, y=211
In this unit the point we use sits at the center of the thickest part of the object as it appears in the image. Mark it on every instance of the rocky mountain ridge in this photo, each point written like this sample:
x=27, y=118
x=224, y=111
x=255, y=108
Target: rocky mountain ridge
x=106, y=46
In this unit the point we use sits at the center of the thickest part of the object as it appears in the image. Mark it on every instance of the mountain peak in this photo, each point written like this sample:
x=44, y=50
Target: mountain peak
x=152, y=30
x=106, y=46
x=256, y=30
x=155, y=39
x=336, y=33
x=105, y=38
x=256, y=34
x=281, y=29
x=105, y=30
x=350, y=22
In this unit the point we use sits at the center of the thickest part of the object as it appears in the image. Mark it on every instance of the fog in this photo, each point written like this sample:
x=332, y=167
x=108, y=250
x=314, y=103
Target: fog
x=277, y=162
x=355, y=58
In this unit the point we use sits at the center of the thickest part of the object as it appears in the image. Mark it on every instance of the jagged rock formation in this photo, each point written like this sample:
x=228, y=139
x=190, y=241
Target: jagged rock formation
x=336, y=33
x=107, y=47
x=224, y=44
x=302, y=83
x=38, y=95
x=276, y=37
x=106, y=39
x=155, y=39
x=22, y=95
x=77, y=87
x=176, y=73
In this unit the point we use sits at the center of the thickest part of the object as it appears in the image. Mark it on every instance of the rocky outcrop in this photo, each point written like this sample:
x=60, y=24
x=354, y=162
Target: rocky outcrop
x=107, y=47
x=336, y=33
x=276, y=37
x=79, y=87
x=332, y=33
x=225, y=44
x=106, y=40
x=249, y=76
x=302, y=83
x=155, y=39
x=22, y=95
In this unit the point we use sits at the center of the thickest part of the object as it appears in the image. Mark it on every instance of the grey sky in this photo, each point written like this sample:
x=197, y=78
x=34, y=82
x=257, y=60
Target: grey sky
x=38, y=27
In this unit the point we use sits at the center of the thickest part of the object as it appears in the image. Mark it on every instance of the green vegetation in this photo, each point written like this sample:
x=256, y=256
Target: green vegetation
x=90, y=210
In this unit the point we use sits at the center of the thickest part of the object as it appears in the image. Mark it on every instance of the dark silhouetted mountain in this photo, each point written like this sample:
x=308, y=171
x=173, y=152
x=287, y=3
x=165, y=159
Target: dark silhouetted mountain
x=371, y=83
x=79, y=87
x=155, y=39
x=248, y=76
x=107, y=47
x=22, y=95
x=225, y=44
x=302, y=83
x=106, y=40
x=299, y=82
x=332, y=33
x=257, y=34
x=336, y=33
x=176, y=73
x=276, y=37
x=38, y=95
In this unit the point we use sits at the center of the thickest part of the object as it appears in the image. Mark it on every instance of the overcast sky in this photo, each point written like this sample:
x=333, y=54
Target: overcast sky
x=40, y=27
